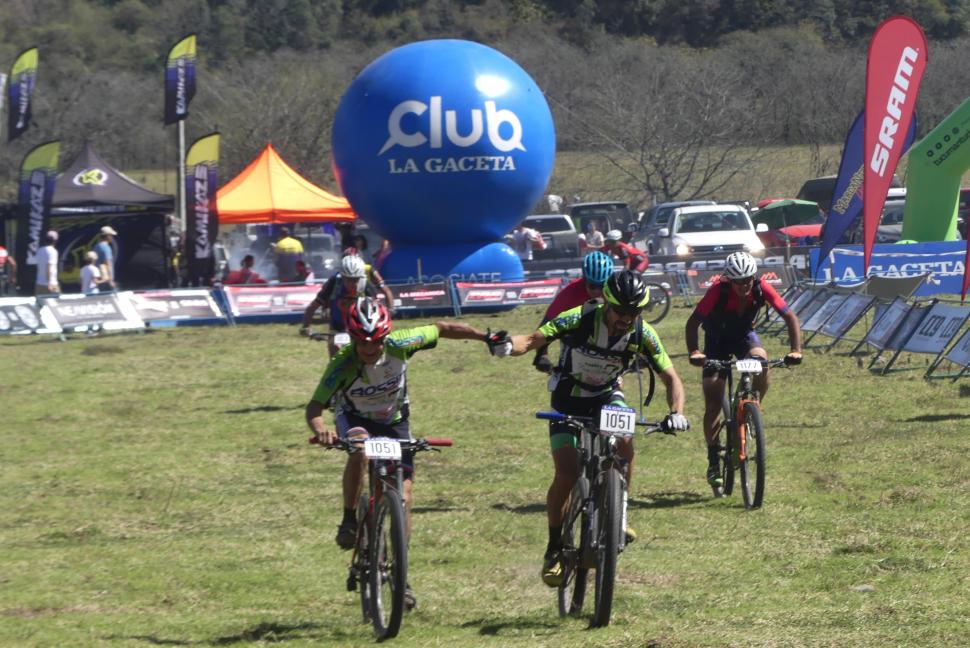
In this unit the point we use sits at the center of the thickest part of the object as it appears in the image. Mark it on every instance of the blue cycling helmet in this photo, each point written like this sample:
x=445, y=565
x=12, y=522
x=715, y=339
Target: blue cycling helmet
x=597, y=268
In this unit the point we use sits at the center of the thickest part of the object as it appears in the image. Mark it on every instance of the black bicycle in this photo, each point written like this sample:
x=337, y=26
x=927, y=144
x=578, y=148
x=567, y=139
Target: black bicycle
x=744, y=427
x=593, y=527
x=659, y=303
x=379, y=563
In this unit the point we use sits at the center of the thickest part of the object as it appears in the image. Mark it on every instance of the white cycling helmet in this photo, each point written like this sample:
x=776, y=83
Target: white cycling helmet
x=352, y=267
x=740, y=265
x=614, y=235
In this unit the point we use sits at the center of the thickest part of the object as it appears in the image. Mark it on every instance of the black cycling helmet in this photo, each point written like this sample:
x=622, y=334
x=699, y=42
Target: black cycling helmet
x=626, y=290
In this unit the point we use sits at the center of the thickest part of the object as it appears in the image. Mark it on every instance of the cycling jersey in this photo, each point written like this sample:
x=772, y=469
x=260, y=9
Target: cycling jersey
x=572, y=295
x=590, y=360
x=334, y=292
x=726, y=318
x=633, y=259
x=375, y=392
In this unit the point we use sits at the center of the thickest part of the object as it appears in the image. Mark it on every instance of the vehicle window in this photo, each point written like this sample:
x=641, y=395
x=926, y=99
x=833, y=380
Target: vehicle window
x=892, y=214
x=663, y=216
x=546, y=225
x=712, y=222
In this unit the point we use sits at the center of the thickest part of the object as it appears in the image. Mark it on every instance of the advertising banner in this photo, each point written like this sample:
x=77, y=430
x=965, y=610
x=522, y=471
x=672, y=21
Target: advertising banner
x=202, y=219
x=851, y=310
x=960, y=353
x=179, y=79
x=937, y=329
x=37, y=175
x=416, y=296
x=847, y=196
x=943, y=260
x=700, y=281
x=886, y=324
x=22, y=316
x=894, y=70
x=269, y=300
x=110, y=311
x=825, y=311
x=157, y=305
x=541, y=291
x=20, y=92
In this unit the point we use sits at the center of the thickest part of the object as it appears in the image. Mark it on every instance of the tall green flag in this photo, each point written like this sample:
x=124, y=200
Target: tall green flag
x=20, y=92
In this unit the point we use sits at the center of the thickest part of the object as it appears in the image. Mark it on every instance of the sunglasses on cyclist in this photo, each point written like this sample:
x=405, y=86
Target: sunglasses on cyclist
x=631, y=311
x=743, y=282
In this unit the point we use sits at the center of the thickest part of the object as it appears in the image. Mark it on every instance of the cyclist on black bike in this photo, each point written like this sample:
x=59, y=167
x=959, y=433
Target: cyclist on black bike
x=366, y=385
x=597, y=268
x=598, y=343
x=727, y=312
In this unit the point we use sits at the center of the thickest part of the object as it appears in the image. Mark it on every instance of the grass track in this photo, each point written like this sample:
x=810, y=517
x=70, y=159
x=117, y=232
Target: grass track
x=158, y=490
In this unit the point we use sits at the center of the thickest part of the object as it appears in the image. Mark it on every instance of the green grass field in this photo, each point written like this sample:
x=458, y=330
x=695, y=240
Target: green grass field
x=158, y=489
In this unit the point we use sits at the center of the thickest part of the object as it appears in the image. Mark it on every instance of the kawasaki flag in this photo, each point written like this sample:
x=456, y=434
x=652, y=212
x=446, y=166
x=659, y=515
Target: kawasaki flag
x=202, y=220
x=37, y=175
x=20, y=93
x=180, y=79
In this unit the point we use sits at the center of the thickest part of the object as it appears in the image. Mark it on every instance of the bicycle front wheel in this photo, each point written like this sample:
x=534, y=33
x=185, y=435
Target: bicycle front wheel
x=363, y=558
x=575, y=542
x=659, y=304
x=753, y=466
x=608, y=519
x=388, y=569
x=730, y=442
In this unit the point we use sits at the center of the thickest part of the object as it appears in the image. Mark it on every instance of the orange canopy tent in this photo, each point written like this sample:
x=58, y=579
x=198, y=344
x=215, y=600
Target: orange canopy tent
x=271, y=191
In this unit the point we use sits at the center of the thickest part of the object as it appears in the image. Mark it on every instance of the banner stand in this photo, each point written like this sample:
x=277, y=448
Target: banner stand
x=902, y=343
x=855, y=320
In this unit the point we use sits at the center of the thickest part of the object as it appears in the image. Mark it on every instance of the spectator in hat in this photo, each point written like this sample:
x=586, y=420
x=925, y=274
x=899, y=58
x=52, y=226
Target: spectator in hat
x=47, y=260
x=288, y=251
x=105, y=249
x=91, y=278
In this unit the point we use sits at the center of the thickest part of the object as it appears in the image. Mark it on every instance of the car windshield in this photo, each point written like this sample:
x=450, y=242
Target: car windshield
x=720, y=221
x=892, y=213
x=663, y=215
x=550, y=224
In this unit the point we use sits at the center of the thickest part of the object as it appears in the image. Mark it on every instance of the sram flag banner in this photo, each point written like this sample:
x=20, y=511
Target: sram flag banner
x=37, y=175
x=847, y=196
x=20, y=92
x=202, y=221
x=180, y=79
x=897, y=60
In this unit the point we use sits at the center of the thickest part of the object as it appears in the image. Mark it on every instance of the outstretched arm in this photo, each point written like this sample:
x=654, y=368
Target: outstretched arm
x=522, y=344
x=459, y=331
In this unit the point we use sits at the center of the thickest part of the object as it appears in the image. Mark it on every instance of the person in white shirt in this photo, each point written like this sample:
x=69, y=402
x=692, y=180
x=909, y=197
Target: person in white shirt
x=524, y=240
x=47, y=260
x=90, y=274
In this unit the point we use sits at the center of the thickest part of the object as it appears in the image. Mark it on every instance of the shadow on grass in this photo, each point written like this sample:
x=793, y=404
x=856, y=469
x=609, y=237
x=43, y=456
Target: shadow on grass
x=492, y=627
x=668, y=499
x=523, y=509
x=933, y=418
x=438, y=509
x=269, y=632
x=264, y=408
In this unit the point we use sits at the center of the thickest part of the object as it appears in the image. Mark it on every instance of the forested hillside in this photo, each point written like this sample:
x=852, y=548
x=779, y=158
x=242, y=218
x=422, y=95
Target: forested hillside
x=626, y=79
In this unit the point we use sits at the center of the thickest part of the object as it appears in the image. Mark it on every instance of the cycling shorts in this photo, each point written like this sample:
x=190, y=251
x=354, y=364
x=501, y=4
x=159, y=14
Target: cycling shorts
x=400, y=430
x=724, y=350
x=565, y=435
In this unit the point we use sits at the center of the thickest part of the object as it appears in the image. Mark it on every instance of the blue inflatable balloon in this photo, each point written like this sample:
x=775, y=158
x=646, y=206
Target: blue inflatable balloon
x=443, y=141
x=461, y=262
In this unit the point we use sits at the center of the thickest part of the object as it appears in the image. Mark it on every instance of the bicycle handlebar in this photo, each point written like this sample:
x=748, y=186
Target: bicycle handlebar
x=729, y=364
x=417, y=445
x=651, y=427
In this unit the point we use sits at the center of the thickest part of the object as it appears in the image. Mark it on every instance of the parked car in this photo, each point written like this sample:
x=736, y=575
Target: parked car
x=656, y=217
x=559, y=234
x=963, y=212
x=606, y=215
x=709, y=229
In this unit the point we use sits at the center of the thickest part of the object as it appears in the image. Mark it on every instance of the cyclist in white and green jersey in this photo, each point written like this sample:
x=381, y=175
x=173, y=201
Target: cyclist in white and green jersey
x=366, y=386
x=599, y=342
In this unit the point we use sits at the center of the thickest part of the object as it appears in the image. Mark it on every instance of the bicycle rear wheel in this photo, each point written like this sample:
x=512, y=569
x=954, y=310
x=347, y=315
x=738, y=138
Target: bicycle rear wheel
x=388, y=567
x=575, y=541
x=753, y=466
x=659, y=304
x=363, y=558
x=608, y=519
x=730, y=441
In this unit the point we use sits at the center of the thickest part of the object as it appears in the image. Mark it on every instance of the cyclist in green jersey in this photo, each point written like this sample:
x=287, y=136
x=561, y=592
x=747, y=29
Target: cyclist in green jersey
x=599, y=342
x=365, y=384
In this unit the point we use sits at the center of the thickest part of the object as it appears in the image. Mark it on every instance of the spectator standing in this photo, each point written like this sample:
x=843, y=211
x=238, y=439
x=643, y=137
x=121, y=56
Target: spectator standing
x=288, y=251
x=304, y=273
x=105, y=249
x=245, y=274
x=91, y=278
x=525, y=240
x=47, y=261
x=8, y=271
x=594, y=237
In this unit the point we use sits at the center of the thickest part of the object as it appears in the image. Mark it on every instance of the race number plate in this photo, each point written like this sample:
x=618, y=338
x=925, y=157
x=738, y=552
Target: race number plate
x=381, y=448
x=748, y=365
x=617, y=420
x=341, y=339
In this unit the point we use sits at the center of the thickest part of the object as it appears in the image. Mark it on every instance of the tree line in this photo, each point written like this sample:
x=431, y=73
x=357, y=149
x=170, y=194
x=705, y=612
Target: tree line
x=675, y=95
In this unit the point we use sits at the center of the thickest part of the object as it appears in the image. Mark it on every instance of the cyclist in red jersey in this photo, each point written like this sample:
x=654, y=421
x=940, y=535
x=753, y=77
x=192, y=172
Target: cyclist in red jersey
x=632, y=258
x=597, y=268
x=727, y=312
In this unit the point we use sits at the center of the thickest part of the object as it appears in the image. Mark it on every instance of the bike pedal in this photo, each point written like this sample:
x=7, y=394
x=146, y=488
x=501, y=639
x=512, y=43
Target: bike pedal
x=351, y=583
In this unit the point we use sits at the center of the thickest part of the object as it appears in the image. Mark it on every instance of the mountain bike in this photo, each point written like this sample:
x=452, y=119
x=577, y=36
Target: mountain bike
x=744, y=427
x=379, y=562
x=593, y=527
x=659, y=304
